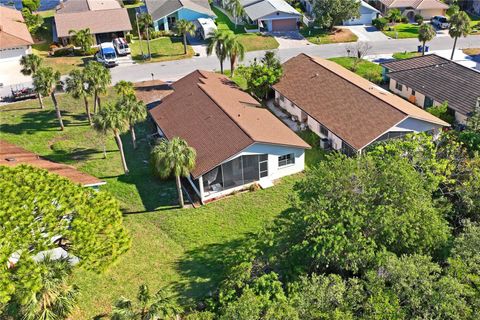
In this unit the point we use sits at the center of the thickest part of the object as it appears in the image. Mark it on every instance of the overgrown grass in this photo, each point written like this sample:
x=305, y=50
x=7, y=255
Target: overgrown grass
x=402, y=31
x=162, y=49
x=405, y=55
x=320, y=36
x=366, y=69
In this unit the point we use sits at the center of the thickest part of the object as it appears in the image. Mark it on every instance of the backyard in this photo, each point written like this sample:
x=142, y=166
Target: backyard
x=320, y=36
x=402, y=31
x=185, y=250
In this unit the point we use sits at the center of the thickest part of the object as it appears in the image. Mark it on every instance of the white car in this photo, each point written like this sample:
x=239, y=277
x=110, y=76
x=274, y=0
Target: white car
x=106, y=55
x=121, y=46
x=440, y=22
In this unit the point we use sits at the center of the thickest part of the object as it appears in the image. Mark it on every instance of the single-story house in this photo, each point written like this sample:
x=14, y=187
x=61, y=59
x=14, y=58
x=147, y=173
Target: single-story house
x=272, y=15
x=15, y=39
x=366, y=15
x=238, y=142
x=106, y=19
x=475, y=6
x=431, y=80
x=12, y=155
x=348, y=112
x=165, y=13
x=426, y=8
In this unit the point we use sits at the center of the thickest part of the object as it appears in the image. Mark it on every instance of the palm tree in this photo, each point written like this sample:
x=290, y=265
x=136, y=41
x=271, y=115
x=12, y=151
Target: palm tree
x=112, y=119
x=56, y=298
x=124, y=89
x=459, y=27
x=394, y=15
x=185, y=27
x=98, y=78
x=237, y=9
x=174, y=157
x=78, y=87
x=217, y=44
x=135, y=111
x=45, y=81
x=30, y=64
x=235, y=50
x=146, y=20
x=82, y=38
x=426, y=33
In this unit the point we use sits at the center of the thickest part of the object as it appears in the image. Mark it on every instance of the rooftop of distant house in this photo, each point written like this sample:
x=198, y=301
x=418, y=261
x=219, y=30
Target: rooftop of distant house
x=13, y=30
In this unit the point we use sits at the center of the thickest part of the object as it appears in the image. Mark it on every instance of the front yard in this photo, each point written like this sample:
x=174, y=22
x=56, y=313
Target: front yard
x=320, y=36
x=406, y=55
x=475, y=23
x=402, y=31
x=366, y=69
x=163, y=49
x=183, y=249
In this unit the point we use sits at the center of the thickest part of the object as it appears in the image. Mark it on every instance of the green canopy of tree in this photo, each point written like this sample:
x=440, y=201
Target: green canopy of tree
x=38, y=207
x=330, y=13
x=82, y=38
x=31, y=5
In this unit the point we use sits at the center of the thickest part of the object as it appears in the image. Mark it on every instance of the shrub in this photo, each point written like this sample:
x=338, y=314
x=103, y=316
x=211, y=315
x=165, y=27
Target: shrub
x=160, y=33
x=129, y=37
x=380, y=23
x=418, y=18
x=62, y=52
x=404, y=19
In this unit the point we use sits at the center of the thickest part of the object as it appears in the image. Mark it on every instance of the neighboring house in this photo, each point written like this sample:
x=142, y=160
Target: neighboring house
x=106, y=19
x=238, y=142
x=475, y=6
x=431, y=80
x=15, y=39
x=348, y=112
x=165, y=13
x=12, y=155
x=367, y=13
x=272, y=15
x=426, y=8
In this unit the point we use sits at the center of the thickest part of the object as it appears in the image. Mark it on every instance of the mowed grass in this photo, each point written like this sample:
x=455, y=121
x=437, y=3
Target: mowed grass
x=366, y=69
x=475, y=23
x=162, y=49
x=402, y=31
x=406, y=55
x=320, y=36
x=251, y=41
x=186, y=250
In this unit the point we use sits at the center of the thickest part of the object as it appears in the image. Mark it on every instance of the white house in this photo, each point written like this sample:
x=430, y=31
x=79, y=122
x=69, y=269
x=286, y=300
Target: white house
x=15, y=39
x=348, y=112
x=238, y=142
x=272, y=15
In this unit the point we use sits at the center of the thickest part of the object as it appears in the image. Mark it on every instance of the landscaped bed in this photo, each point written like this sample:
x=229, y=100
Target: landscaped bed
x=402, y=31
x=320, y=36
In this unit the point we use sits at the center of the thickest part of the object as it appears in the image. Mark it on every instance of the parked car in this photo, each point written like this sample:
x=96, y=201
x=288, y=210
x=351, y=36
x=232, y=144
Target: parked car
x=440, y=22
x=121, y=46
x=106, y=55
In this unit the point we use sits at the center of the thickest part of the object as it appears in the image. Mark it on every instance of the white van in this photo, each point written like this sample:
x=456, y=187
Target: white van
x=106, y=55
x=121, y=46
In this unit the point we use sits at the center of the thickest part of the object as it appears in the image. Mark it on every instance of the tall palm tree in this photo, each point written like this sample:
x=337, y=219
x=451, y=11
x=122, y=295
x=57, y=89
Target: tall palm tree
x=146, y=20
x=426, y=33
x=176, y=158
x=185, y=27
x=78, y=87
x=82, y=38
x=124, y=89
x=459, y=27
x=217, y=43
x=112, y=119
x=235, y=50
x=98, y=78
x=46, y=81
x=394, y=15
x=237, y=9
x=30, y=64
x=56, y=298
x=135, y=111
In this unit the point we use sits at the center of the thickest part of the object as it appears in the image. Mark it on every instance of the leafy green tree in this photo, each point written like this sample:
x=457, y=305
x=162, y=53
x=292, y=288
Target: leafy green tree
x=39, y=206
x=124, y=89
x=235, y=50
x=161, y=305
x=330, y=13
x=471, y=135
x=426, y=33
x=34, y=22
x=135, y=111
x=459, y=27
x=175, y=158
x=98, y=78
x=453, y=9
x=82, y=38
x=217, y=44
x=394, y=15
x=185, y=27
x=30, y=64
x=441, y=111
x=113, y=119
x=46, y=81
x=31, y=5
x=78, y=87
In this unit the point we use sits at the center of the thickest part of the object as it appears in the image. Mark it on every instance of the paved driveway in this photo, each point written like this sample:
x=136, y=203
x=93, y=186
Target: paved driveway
x=291, y=39
x=367, y=33
x=10, y=73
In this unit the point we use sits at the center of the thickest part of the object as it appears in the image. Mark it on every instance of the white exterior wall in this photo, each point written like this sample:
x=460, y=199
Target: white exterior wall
x=288, y=106
x=460, y=118
x=407, y=92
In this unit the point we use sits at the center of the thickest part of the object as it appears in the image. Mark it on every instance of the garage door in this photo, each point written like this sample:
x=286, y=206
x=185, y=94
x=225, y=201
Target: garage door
x=284, y=25
x=12, y=54
x=363, y=19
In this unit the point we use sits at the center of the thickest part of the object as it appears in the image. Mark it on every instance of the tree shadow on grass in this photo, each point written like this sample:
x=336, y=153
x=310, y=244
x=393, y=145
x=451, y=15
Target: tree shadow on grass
x=32, y=122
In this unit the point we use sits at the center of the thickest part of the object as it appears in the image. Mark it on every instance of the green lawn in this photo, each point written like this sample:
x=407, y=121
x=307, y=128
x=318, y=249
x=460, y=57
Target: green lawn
x=163, y=49
x=405, y=55
x=402, y=31
x=320, y=36
x=251, y=41
x=366, y=69
x=184, y=249
x=475, y=23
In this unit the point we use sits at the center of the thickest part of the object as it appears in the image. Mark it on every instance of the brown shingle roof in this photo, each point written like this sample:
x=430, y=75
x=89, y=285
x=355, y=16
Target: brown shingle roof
x=440, y=79
x=12, y=155
x=351, y=107
x=218, y=119
x=13, y=30
x=416, y=4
